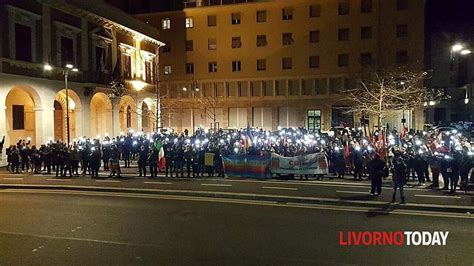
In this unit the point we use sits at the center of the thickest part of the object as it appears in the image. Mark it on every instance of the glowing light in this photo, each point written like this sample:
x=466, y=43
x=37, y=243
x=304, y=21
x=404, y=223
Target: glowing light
x=466, y=52
x=70, y=66
x=457, y=47
x=236, y=150
x=138, y=85
x=431, y=103
x=466, y=101
x=418, y=142
x=47, y=67
x=135, y=142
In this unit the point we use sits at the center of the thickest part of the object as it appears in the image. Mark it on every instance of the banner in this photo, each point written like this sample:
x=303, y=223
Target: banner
x=253, y=166
x=209, y=159
x=310, y=164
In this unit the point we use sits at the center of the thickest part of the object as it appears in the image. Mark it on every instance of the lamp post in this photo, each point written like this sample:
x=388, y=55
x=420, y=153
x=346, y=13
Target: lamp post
x=69, y=67
x=194, y=88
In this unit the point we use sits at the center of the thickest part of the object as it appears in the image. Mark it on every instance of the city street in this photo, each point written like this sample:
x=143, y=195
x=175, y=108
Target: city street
x=76, y=228
x=332, y=189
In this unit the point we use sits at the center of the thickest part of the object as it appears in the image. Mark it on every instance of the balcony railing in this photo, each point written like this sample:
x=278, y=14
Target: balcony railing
x=205, y=3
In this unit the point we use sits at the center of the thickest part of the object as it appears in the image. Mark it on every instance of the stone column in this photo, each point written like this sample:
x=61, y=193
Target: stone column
x=84, y=45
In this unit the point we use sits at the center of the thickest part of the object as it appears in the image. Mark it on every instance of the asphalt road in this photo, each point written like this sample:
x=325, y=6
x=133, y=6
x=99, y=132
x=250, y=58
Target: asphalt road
x=85, y=228
x=329, y=188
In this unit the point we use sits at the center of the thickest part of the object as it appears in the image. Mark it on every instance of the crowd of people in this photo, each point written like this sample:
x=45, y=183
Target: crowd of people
x=349, y=151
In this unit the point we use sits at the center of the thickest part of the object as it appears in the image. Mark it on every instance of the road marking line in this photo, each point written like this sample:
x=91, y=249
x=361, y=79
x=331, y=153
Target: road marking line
x=59, y=179
x=317, y=183
x=157, y=183
x=108, y=181
x=351, y=192
x=79, y=239
x=437, y=196
x=13, y=178
x=238, y=201
x=20, y=188
x=282, y=188
x=216, y=185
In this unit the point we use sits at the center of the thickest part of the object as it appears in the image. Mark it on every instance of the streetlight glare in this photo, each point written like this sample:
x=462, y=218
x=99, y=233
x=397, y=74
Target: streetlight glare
x=138, y=85
x=75, y=70
x=185, y=89
x=47, y=67
x=457, y=47
x=70, y=66
x=466, y=52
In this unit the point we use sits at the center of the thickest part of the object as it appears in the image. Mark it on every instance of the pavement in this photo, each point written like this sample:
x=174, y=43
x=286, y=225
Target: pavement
x=331, y=191
x=58, y=227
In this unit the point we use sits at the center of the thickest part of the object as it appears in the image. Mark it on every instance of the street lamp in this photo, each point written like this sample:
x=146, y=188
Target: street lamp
x=69, y=67
x=194, y=88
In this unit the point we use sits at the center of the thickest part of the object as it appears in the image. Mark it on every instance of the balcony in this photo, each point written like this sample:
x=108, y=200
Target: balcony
x=206, y=3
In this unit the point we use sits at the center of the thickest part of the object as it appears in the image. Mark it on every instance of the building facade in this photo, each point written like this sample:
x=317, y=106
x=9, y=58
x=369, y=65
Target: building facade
x=280, y=63
x=38, y=40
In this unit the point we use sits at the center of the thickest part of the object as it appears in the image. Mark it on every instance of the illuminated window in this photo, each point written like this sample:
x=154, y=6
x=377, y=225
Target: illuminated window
x=166, y=24
x=189, y=22
x=167, y=70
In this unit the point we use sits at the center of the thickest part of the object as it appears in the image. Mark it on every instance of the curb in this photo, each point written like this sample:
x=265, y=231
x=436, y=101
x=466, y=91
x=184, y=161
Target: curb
x=282, y=199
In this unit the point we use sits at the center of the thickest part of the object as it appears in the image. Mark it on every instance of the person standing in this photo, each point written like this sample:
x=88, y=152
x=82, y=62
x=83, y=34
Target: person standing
x=94, y=162
x=377, y=169
x=399, y=178
x=153, y=161
x=142, y=161
x=169, y=156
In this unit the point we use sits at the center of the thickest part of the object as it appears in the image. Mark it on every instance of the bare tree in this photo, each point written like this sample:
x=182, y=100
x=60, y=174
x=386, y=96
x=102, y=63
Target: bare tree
x=210, y=105
x=383, y=94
